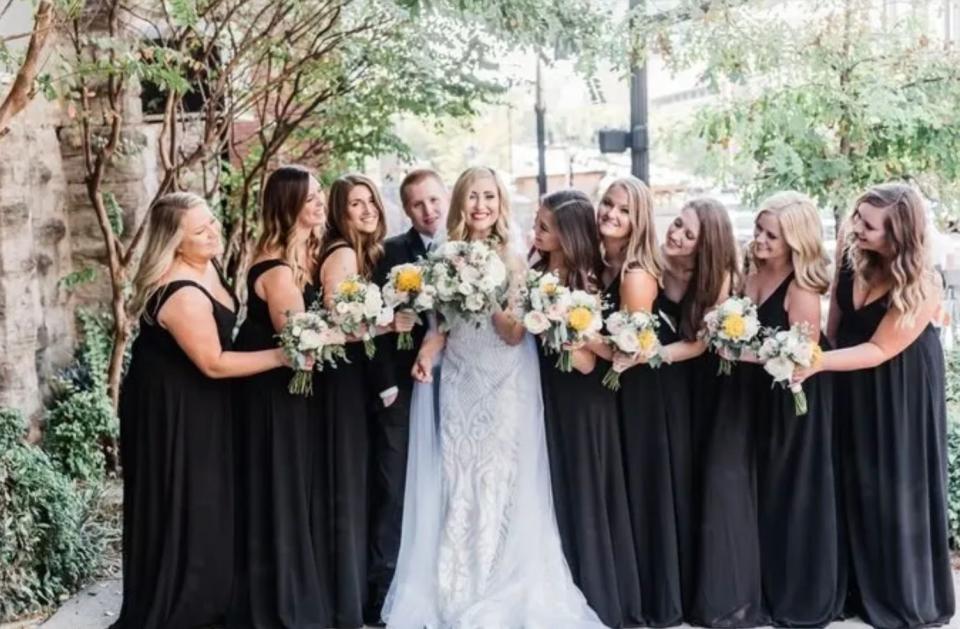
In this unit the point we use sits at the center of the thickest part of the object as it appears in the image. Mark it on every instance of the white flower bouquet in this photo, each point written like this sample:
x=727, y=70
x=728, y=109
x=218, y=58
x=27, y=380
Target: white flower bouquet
x=469, y=278
x=633, y=334
x=309, y=335
x=731, y=328
x=406, y=289
x=783, y=351
x=358, y=308
x=558, y=315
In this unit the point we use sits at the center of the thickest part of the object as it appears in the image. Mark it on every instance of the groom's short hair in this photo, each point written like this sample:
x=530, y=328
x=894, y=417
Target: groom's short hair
x=414, y=177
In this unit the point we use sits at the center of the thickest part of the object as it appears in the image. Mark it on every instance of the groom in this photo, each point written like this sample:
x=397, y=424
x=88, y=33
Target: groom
x=425, y=200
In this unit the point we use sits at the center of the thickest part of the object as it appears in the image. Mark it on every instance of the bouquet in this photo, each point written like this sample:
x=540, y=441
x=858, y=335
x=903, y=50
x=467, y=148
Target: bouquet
x=783, y=351
x=358, y=308
x=633, y=334
x=309, y=335
x=731, y=328
x=558, y=315
x=469, y=279
x=406, y=290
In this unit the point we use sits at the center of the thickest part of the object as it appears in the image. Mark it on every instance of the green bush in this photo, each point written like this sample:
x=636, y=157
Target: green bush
x=50, y=543
x=81, y=427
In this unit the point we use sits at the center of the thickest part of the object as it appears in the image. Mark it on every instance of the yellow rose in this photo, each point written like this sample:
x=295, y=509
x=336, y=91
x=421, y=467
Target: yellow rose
x=409, y=280
x=647, y=339
x=734, y=326
x=579, y=318
x=348, y=288
x=549, y=289
x=816, y=356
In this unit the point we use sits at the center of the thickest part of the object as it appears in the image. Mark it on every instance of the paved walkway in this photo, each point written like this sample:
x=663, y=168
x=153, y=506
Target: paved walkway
x=97, y=606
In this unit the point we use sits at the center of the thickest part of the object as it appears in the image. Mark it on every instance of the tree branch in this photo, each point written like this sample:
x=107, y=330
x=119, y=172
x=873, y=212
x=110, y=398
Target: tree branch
x=22, y=92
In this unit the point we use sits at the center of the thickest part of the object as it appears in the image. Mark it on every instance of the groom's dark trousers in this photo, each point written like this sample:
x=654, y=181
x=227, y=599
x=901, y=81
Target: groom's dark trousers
x=389, y=435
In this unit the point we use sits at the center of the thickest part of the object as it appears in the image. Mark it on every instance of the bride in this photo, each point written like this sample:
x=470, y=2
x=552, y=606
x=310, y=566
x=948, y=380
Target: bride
x=480, y=547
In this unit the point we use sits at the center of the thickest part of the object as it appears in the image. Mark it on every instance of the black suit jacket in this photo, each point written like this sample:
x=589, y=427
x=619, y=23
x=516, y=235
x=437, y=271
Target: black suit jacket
x=392, y=366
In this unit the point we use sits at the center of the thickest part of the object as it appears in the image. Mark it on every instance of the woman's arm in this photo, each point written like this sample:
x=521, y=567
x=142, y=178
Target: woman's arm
x=188, y=316
x=432, y=345
x=278, y=288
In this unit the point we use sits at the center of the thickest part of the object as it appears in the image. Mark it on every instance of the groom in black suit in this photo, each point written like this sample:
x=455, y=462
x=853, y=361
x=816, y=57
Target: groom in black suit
x=425, y=202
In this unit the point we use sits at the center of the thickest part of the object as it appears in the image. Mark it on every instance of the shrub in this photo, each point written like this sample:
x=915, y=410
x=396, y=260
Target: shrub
x=49, y=542
x=81, y=427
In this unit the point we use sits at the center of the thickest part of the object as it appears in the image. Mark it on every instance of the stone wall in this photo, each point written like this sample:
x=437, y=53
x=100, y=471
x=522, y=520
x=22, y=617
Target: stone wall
x=36, y=313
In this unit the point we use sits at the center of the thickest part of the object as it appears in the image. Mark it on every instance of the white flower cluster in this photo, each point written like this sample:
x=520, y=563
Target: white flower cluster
x=559, y=315
x=633, y=334
x=309, y=335
x=357, y=308
x=469, y=278
x=783, y=351
x=731, y=328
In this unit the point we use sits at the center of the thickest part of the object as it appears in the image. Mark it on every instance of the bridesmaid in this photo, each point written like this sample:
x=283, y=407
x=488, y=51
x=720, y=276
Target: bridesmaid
x=892, y=415
x=583, y=435
x=700, y=264
x=176, y=427
x=352, y=245
x=634, y=268
x=282, y=580
x=796, y=498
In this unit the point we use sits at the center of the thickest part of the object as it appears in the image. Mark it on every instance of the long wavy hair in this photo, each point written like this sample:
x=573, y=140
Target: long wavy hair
x=715, y=262
x=164, y=235
x=909, y=268
x=801, y=229
x=457, y=216
x=284, y=195
x=642, y=251
x=368, y=247
x=576, y=223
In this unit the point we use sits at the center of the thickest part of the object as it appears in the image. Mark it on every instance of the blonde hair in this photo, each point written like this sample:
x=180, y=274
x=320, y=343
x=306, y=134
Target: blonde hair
x=367, y=247
x=284, y=195
x=457, y=216
x=164, y=235
x=802, y=231
x=905, y=227
x=642, y=251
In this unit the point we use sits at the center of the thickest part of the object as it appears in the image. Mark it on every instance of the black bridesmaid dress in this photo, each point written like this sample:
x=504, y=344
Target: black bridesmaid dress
x=893, y=454
x=803, y=581
x=728, y=587
x=283, y=576
x=347, y=414
x=176, y=445
x=589, y=495
x=656, y=445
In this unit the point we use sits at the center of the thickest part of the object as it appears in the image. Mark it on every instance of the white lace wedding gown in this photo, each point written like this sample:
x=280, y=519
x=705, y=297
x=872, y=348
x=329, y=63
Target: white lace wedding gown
x=480, y=547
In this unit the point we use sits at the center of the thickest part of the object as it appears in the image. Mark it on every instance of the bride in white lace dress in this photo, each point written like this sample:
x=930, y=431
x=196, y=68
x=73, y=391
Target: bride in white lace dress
x=480, y=547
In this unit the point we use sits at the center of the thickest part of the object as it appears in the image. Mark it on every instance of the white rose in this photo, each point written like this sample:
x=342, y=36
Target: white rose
x=470, y=274
x=310, y=340
x=474, y=302
x=615, y=323
x=536, y=322
x=343, y=307
x=626, y=341
x=355, y=310
x=496, y=270
x=780, y=368
x=486, y=284
x=732, y=306
x=424, y=301
x=296, y=331
x=385, y=317
x=465, y=288
x=752, y=328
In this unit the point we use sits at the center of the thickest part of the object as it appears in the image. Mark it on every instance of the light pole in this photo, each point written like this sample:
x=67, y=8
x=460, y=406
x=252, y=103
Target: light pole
x=540, y=111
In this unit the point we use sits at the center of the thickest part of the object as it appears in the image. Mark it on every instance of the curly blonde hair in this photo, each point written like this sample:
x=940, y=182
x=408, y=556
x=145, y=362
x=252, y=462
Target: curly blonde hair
x=801, y=229
x=909, y=267
x=457, y=216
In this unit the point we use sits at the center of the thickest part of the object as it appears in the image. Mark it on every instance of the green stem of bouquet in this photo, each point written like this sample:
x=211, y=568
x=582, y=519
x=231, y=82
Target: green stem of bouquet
x=404, y=340
x=301, y=383
x=612, y=379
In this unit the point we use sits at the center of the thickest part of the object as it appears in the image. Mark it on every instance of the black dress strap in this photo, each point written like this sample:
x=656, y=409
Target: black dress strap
x=262, y=267
x=166, y=291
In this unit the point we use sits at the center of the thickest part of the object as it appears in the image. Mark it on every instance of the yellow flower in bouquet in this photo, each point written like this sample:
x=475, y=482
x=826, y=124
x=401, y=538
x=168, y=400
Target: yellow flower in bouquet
x=348, y=288
x=647, y=340
x=409, y=279
x=580, y=318
x=734, y=326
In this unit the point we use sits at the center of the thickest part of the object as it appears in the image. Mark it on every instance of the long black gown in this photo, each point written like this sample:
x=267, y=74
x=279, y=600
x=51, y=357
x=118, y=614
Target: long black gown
x=656, y=444
x=893, y=453
x=283, y=579
x=176, y=444
x=728, y=586
x=803, y=580
x=589, y=494
x=348, y=412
